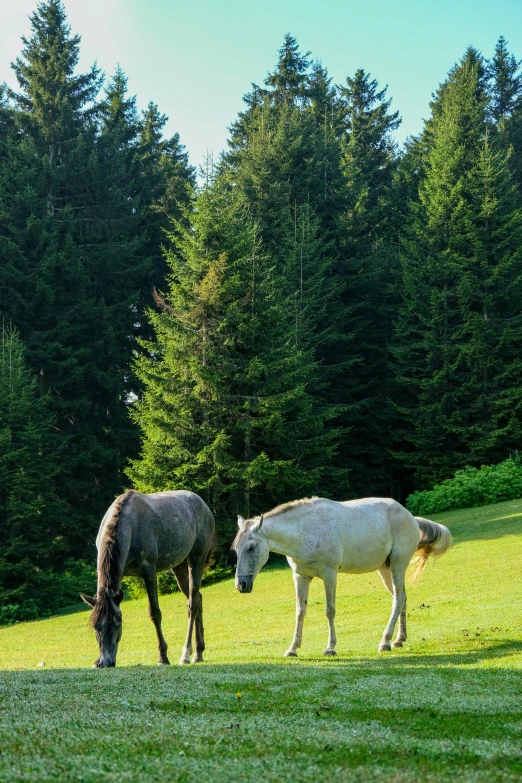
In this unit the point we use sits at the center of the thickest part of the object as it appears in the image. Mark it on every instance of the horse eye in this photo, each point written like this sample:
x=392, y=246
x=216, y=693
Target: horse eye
x=251, y=547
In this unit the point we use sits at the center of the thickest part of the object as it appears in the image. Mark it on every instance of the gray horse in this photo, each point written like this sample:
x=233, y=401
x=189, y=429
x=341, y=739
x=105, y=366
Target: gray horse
x=139, y=536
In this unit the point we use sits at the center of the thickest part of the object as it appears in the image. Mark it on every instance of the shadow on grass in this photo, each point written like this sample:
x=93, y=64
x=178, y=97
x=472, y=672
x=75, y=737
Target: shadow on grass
x=488, y=652
x=395, y=662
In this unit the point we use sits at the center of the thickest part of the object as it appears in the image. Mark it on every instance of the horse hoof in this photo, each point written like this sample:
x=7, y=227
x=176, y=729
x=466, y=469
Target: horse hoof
x=197, y=659
x=397, y=643
x=329, y=652
x=385, y=647
x=166, y=662
x=184, y=661
x=290, y=654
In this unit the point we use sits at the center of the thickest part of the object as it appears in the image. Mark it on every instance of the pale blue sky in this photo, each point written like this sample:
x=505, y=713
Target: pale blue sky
x=196, y=59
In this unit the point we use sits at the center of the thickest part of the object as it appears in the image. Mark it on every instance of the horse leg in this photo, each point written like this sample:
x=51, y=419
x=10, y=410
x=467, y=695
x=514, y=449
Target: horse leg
x=196, y=599
x=330, y=586
x=398, y=571
x=189, y=580
x=302, y=586
x=151, y=584
x=386, y=577
x=181, y=572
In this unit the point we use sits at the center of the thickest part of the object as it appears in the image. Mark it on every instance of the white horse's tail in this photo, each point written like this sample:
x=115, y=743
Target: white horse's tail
x=435, y=540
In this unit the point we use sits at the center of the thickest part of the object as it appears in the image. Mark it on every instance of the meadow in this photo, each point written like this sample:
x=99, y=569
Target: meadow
x=448, y=706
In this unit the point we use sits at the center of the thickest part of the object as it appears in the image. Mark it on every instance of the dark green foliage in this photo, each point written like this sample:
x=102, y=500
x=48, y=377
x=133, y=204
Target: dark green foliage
x=459, y=331
x=32, y=518
x=54, y=102
x=79, y=186
x=370, y=270
x=505, y=107
x=166, y=178
x=77, y=248
x=470, y=487
x=289, y=80
x=506, y=83
x=228, y=409
x=332, y=315
x=285, y=158
x=73, y=234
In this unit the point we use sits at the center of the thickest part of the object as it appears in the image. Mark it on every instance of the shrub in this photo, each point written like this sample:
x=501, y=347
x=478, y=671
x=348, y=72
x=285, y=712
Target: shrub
x=15, y=613
x=470, y=487
x=48, y=592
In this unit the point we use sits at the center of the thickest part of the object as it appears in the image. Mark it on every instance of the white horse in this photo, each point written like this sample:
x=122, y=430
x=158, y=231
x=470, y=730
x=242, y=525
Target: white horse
x=322, y=537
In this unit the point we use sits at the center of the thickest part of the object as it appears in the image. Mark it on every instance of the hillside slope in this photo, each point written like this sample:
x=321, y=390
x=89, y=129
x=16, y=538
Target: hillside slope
x=469, y=604
x=446, y=708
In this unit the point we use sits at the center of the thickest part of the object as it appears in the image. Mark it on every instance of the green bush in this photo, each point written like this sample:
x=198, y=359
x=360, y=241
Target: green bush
x=16, y=613
x=470, y=487
x=47, y=592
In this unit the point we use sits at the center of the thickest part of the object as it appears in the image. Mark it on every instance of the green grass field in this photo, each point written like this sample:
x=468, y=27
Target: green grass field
x=447, y=707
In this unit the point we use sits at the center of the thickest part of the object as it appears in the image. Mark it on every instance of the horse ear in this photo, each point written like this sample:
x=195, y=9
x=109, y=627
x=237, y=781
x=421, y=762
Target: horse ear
x=240, y=521
x=118, y=598
x=260, y=523
x=88, y=600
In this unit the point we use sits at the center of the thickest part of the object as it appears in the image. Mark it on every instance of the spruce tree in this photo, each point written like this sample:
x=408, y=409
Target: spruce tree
x=81, y=265
x=458, y=330
x=31, y=517
x=285, y=158
x=506, y=83
x=369, y=268
x=289, y=81
x=167, y=178
x=228, y=408
x=505, y=104
x=66, y=320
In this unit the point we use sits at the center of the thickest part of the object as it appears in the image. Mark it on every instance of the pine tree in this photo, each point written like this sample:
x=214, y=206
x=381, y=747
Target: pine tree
x=370, y=280
x=289, y=81
x=285, y=158
x=12, y=262
x=505, y=104
x=506, y=83
x=69, y=318
x=73, y=243
x=53, y=103
x=167, y=179
x=31, y=517
x=458, y=327
x=228, y=409
x=284, y=149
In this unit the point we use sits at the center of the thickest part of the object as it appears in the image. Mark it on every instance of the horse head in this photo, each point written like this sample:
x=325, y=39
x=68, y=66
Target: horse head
x=106, y=619
x=251, y=547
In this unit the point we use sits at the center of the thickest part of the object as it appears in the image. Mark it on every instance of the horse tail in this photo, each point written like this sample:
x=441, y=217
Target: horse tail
x=435, y=539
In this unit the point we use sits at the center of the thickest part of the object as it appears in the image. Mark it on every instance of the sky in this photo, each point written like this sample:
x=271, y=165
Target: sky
x=197, y=58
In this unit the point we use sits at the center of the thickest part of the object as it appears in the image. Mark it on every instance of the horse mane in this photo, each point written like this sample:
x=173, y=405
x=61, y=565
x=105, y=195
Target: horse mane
x=274, y=512
x=284, y=507
x=108, y=570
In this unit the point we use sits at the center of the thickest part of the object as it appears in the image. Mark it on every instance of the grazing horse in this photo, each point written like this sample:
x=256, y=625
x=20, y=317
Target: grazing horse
x=322, y=537
x=139, y=536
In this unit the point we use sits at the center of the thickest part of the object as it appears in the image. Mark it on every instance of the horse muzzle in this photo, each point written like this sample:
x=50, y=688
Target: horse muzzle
x=104, y=664
x=244, y=583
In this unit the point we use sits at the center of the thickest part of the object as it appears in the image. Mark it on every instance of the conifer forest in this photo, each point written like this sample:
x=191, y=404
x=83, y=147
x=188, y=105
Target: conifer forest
x=317, y=312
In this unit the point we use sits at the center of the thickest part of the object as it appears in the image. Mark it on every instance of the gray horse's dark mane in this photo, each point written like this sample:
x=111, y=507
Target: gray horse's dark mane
x=274, y=512
x=109, y=561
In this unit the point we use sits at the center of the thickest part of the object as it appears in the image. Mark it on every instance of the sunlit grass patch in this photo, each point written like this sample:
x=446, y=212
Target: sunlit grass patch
x=447, y=707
